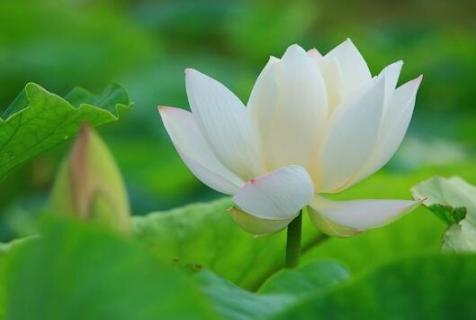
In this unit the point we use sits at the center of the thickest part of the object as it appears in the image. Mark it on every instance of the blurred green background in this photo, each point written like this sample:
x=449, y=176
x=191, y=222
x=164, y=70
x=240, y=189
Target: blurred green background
x=145, y=45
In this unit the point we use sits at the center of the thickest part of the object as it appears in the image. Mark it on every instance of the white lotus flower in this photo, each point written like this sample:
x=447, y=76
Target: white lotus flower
x=313, y=125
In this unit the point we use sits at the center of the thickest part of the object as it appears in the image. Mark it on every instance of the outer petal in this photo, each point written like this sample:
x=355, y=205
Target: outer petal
x=397, y=119
x=357, y=215
x=277, y=196
x=289, y=107
x=355, y=72
x=225, y=123
x=255, y=225
x=353, y=133
x=394, y=126
x=196, y=152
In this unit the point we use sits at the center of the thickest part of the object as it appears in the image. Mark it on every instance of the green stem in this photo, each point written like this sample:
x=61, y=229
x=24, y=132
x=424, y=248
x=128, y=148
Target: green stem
x=293, y=242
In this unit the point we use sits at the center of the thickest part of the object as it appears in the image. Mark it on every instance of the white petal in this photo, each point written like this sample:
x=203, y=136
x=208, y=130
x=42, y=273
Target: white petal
x=314, y=53
x=353, y=133
x=355, y=72
x=277, y=196
x=289, y=106
x=262, y=99
x=391, y=74
x=361, y=215
x=332, y=74
x=257, y=226
x=196, y=152
x=225, y=123
x=394, y=126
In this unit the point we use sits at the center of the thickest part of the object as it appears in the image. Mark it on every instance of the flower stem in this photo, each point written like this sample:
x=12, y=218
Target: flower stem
x=293, y=242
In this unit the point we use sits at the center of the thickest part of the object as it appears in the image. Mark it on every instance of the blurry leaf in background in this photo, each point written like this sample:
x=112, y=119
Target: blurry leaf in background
x=454, y=201
x=428, y=287
x=77, y=271
x=38, y=120
x=5, y=248
x=62, y=44
x=89, y=185
x=185, y=23
x=416, y=153
x=259, y=29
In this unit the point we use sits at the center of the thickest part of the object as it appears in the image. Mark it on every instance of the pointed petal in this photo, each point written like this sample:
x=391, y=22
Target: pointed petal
x=394, y=126
x=353, y=133
x=225, y=123
x=289, y=104
x=277, y=196
x=391, y=74
x=255, y=225
x=314, y=53
x=355, y=72
x=196, y=152
x=359, y=215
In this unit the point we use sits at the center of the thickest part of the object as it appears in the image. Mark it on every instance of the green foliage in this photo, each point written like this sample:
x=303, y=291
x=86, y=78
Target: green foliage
x=235, y=303
x=454, y=201
x=204, y=234
x=436, y=286
x=427, y=287
x=279, y=292
x=60, y=44
x=38, y=120
x=80, y=272
x=311, y=277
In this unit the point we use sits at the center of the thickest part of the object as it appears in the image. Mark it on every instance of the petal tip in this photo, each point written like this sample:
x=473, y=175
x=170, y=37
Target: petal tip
x=162, y=108
x=294, y=49
x=349, y=42
x=419, y=79
x=314, y=52
x=190, y=72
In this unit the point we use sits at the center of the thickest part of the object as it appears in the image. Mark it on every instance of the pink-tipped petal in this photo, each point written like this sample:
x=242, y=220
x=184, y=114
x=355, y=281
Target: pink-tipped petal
x=276, y=196
x=314, y=53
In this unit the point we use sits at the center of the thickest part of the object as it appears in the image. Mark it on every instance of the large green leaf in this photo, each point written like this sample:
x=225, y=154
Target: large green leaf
x=311, y=277
x=81, y=272
x=279, y=292
x=454, y=201
x=428, y=287
x=235, y=303
x=204, y=234
x=38, y=120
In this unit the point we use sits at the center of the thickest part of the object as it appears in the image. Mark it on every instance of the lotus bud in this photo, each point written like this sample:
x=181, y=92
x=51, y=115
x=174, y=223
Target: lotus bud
x=89, y=185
